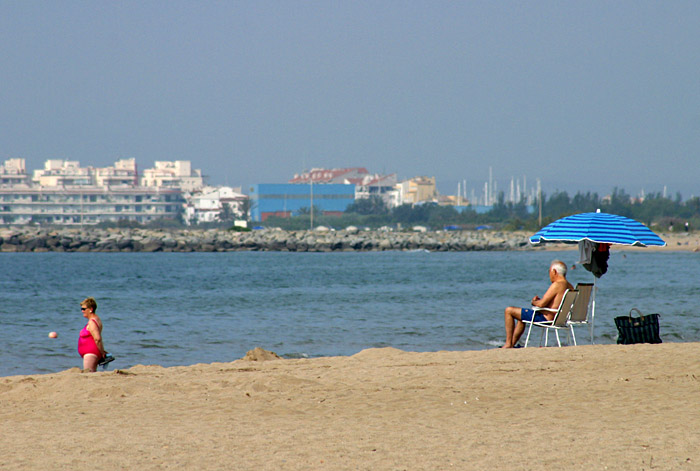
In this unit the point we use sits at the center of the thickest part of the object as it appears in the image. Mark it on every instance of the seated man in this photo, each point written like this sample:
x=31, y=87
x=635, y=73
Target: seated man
x=551, y=300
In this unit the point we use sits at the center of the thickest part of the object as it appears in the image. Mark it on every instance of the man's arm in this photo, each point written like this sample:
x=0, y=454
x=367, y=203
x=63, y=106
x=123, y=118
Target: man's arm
x=548, y=298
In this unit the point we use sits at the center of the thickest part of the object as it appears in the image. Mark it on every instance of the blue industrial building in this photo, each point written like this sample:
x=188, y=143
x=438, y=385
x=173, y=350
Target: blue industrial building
x=287, y=199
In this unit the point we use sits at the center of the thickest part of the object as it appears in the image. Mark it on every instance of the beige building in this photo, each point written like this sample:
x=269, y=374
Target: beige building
x=177, y=174
x=124, y=173
x=58, y=172
x=416, y=190
x=13, y=172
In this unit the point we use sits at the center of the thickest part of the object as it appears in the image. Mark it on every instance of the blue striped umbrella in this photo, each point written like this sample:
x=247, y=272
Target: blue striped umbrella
x=598, y=227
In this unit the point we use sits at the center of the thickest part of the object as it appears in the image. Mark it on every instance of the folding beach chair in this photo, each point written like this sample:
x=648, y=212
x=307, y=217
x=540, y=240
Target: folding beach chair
x=583, y=312
x=560, y=321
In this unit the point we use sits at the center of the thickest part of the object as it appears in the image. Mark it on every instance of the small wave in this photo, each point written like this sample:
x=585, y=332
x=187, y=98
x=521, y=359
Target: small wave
x=672, y=336
x=412, y=333
x=295, y=356
x=156, y=345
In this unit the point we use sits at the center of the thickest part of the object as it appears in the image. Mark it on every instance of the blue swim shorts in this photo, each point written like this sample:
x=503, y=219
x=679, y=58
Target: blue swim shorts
x=526, y=315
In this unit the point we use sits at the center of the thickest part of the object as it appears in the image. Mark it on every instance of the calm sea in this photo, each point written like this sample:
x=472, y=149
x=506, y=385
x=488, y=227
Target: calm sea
x=185, y=308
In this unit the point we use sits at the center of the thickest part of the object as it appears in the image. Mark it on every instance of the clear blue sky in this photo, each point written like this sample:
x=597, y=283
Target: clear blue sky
x=583, y=95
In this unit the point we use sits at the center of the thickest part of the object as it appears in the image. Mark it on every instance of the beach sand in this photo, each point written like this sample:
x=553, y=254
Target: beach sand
x=575, y=408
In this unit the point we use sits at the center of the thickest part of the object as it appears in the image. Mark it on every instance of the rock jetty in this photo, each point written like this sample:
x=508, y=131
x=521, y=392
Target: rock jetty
x=32, y=239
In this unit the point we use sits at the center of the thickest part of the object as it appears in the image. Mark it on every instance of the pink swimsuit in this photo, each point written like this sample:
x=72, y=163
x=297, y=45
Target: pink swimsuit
x=86, y=343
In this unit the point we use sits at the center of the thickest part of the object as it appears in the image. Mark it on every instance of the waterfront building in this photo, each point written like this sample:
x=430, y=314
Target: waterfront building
x=383, y=186
x=366, y=184
x=215, y=205
x=291, y=199
x=124, y=172
x=58, y=172
x=63, y=192
x=353, y=175
x=13, y=172
x=177, y=174
x=86, y=204
x=416, y=190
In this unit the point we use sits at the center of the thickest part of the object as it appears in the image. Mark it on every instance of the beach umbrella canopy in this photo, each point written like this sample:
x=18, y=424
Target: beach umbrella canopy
x=601, y=228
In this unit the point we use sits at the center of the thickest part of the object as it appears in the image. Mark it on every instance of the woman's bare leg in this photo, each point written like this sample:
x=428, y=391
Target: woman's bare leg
x=90, y=362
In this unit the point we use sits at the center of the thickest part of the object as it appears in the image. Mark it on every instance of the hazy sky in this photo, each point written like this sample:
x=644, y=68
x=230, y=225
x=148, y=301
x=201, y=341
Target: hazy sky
x=583, y=95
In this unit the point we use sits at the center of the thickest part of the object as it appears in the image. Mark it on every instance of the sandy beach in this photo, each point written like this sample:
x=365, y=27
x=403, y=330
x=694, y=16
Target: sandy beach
x=576, y=408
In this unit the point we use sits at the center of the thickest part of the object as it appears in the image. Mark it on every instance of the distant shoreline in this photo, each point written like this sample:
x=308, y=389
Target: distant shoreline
x=32, y=239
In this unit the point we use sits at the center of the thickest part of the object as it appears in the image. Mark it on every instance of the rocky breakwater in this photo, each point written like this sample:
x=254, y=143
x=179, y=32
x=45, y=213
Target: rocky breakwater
x=30, y=239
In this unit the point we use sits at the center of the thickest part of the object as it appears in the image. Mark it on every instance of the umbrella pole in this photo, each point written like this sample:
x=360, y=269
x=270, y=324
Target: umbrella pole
x=595, y=290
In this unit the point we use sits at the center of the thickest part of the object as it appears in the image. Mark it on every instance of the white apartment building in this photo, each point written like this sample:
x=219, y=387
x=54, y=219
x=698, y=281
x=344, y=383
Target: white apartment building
x=63, y=192
x=75, y=205
x=62, y=173
x=69, y=173
x=378, y=185
x=210, y=204
x=124, y=173
x=178, y=174
x=13, y=172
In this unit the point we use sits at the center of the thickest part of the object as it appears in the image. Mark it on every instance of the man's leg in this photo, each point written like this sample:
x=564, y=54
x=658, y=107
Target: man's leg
x=518, y=331
x=513, y=331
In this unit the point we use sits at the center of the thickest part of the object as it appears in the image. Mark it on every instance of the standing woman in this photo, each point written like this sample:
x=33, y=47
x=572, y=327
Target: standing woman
x=90, y=345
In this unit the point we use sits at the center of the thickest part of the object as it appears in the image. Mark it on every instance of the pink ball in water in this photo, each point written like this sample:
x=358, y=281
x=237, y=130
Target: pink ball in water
x=53, y=335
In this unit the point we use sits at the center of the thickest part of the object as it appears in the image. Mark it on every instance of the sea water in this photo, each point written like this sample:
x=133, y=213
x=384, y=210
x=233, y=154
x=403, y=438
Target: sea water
x=186, y=308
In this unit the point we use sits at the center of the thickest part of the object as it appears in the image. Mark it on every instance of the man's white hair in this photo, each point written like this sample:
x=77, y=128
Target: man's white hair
x=559, y=267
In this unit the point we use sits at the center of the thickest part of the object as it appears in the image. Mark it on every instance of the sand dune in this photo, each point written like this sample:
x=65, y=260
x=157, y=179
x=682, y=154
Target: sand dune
x=576, y=408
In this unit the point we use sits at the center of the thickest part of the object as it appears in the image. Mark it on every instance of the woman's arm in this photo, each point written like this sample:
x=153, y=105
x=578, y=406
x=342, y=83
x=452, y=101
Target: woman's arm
x=96, y=335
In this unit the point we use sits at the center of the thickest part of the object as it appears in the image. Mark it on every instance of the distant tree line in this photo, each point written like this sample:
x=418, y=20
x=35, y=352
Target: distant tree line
x=654, y=210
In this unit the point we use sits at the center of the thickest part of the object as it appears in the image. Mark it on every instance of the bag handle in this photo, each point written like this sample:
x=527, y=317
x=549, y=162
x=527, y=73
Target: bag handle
x=641, y=316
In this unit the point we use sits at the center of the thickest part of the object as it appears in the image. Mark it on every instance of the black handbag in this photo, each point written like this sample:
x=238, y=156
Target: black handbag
x=642, y=329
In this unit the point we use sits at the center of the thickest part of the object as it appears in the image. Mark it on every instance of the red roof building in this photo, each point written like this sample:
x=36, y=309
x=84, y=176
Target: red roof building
x=354, y=176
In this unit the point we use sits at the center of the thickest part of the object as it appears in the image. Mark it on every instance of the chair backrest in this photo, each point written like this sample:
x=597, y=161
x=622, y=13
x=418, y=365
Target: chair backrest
x=579, y=313
x=567, y=302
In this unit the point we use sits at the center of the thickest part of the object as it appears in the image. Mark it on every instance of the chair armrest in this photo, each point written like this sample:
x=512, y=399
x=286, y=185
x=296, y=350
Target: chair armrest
x=534, y=308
